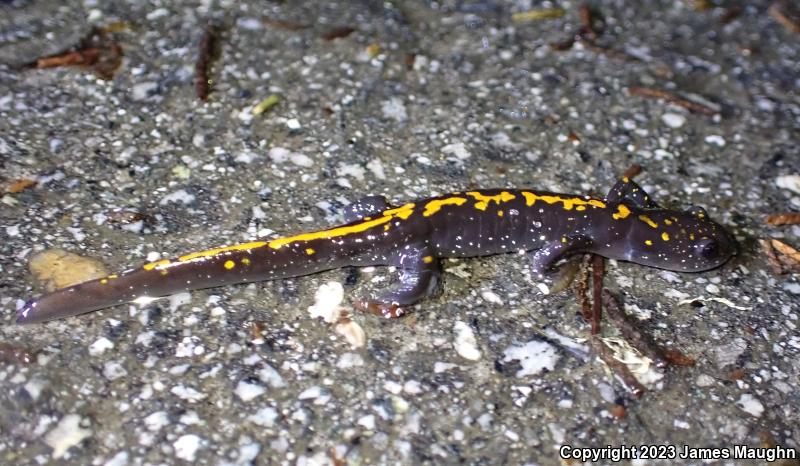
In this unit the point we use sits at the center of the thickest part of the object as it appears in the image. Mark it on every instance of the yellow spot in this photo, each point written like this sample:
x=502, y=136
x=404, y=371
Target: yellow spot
x=246, y=261
x=104, y=281
x=648, y=242
x=163, y=271
x=667, y=221
x=214, y=252
x=691, y=236
x=567, y=202
x=625, y=179
x=648, y=221
x=229, y=264
x=434, y=206
x=386, y=227
x=309, y=251
x=563, y=239
x=665, y=236
x=156, y=264
x=402, y=212
x=484, y=200
x=499, y=213
x=112, y=276
x=622, y=212
x=427, y=259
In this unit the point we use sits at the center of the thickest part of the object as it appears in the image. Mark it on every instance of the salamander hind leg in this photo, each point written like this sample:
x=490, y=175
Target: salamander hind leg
x=365, y=207
x=419, y=274
x=542, y=260
x=627, y=189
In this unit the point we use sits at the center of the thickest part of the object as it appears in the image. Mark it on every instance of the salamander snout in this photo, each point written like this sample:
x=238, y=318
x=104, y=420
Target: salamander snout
x=681, y=241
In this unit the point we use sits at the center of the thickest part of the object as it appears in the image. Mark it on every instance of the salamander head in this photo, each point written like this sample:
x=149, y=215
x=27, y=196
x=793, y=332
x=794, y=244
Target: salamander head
x=686, y=241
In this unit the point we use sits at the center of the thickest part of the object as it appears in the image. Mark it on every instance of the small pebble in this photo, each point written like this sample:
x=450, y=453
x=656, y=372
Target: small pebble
x=673, y=120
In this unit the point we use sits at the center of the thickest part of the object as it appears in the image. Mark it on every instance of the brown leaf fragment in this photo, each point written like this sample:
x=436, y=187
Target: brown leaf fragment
x=787, y=16
x=337, y=33
x=637, y=338
x=283, y=24
x=730, y=14
x=618, y=411
x=11, y=354
x=98, y=52
x=789, y=218
x=672, y=98
x=205, y=52
x=619, y=367
x=17, y=186
x=587, y=22
x=781, y=257
x=678, y=358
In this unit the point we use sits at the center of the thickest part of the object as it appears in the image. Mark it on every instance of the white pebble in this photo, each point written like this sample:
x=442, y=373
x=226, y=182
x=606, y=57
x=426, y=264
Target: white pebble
x=186, y=446
x=66, y=435
x=715, y=140
x=465, y=343
x=248, y=391
x=673, y=120
x=394, y=109
x=534, y=357
x=790, y=182
x=751, y=405
x=100, y=346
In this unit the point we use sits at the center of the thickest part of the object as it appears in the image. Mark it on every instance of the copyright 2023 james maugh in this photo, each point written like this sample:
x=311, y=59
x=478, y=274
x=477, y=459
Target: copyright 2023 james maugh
x=672, y=452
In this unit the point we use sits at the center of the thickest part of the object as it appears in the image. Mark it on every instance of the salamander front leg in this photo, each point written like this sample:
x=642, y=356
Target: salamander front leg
x=627, y=189
x=543, y=259
x=419, y=274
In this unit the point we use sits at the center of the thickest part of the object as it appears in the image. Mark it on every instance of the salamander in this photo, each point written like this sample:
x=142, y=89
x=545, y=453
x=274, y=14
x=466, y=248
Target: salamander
x=626, y=225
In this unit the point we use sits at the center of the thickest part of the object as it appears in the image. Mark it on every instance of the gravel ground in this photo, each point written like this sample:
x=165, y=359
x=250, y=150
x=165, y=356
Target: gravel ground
x=421, y=98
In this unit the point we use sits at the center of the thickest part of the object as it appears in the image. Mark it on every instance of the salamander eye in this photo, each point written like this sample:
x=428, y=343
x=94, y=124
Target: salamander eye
x=697, y=211
x=708, y=248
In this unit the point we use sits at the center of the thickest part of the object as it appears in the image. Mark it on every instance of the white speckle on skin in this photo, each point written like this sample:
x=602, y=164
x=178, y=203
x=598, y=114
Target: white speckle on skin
x=66, y=434
x=12, y=231
x=186, y=446
x=751, y=405
x=715, y=140
x=439, y=367
x=534, y=357
x=100, y=346
x=248, y=391
x=394, y=109
x=465, y=343
x=673, y=120
x=491, y=297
